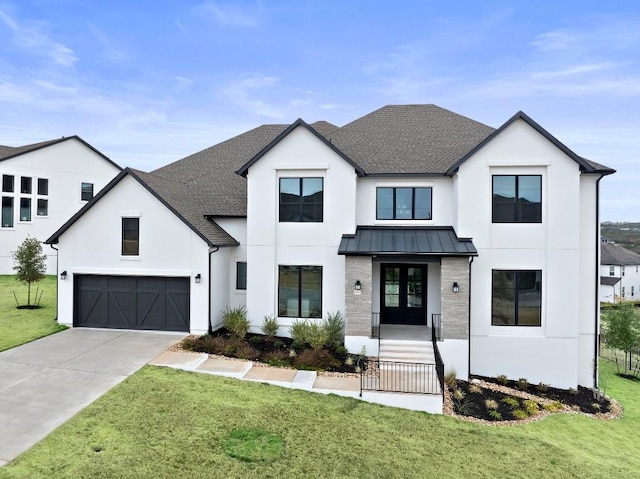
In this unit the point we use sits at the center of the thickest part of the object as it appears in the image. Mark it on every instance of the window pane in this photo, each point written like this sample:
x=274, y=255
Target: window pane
x=384, y=202
x=288, y=291
x=504, y=196
x=530, y=199
x=290, y=199
x=25, y=209
x=241, y=275
x=43, y=207
x=404, y=203
x=414, y=287
x=311, y=293
x=529, y=298
x=86, y=192
x=312, y=199
x=7, y=212
x=392, y=287
x=7, y=183
x=422, y=206
x=503, y=301
x=43, y=186
x=130, y=236
x=25, y=185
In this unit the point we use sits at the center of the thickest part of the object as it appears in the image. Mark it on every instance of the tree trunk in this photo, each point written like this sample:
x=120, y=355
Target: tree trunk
x=29, y=293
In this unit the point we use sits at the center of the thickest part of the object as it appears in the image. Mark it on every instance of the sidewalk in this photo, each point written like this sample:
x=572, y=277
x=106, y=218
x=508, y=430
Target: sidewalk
x=347, y=386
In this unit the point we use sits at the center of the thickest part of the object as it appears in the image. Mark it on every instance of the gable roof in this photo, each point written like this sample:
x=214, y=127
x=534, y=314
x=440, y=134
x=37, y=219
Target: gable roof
x=586, y=166
x=612, y=254
x=609, y=280
x=8, y=152
x=174, y=196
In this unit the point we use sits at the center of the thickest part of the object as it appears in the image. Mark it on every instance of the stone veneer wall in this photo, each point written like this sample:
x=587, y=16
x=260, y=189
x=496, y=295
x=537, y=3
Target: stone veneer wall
x=454, y=307
x=358, y=307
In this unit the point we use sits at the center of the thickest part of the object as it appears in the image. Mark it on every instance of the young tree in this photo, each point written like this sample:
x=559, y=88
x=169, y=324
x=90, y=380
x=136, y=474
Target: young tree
x=621, y=328
x=29, y=263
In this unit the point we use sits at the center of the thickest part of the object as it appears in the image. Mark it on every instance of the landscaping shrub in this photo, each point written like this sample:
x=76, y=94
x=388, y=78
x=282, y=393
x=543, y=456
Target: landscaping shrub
x=458, y=394
x=235, y=321
x=474, y=389
x=511, y=401
x=315, y=359
x=299, y=331
x=502, y=380
x=450, y=379
x=247, y=352
x=464, y=407
x=522, y=384
x=491, y=404
x=495, y=415
x=333, y=327
x=555, y=406
x=531, y=407
x=542, y=388
x=519, y=414
x=277, y=358
x=270, y=326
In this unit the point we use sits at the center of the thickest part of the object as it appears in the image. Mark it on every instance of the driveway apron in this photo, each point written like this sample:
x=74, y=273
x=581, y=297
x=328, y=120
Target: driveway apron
x=46, y=382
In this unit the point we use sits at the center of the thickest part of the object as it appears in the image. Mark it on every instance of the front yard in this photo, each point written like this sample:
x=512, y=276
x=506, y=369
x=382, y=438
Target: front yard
x=19, y=326
x=167, y=423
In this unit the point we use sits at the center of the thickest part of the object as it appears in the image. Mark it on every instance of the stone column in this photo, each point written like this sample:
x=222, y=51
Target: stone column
x=454, y=307
x=358, y=306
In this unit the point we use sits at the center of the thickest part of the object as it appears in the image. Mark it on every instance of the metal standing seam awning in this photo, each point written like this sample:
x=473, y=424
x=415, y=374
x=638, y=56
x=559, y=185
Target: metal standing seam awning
x=420, y=240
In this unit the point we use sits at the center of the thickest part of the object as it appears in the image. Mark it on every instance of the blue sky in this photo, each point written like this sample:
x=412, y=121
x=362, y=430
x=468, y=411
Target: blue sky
x=149, y=82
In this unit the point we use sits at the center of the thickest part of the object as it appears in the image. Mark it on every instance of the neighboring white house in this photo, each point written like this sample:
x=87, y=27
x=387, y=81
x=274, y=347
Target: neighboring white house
x=43, y=185
x=411, y=215
x=619, y=273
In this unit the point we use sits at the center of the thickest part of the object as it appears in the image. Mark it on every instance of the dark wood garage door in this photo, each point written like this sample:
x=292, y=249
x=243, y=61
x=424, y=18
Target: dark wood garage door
x=131, y=302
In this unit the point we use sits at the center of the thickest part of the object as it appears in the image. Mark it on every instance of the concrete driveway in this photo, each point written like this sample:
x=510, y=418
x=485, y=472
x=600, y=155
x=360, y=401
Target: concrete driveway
x=46, y=382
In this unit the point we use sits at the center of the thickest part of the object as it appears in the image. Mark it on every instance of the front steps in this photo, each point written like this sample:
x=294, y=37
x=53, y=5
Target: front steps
x=406, y=351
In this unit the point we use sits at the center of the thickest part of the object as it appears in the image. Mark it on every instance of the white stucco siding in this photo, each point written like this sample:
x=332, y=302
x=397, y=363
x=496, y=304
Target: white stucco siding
x=168, y=247
x=271, y=243
x=237, y=228
x=558, y=247
x=66, y=166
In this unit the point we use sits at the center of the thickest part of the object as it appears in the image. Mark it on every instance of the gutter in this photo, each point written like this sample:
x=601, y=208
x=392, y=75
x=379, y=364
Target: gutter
x=57, y=286
x=597, y=284
x=469, y=347
x=211, y=251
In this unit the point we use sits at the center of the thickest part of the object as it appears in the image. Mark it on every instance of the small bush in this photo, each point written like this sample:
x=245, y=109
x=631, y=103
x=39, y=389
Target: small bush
x=542, y=388
x=270, y=326
x=333, y=327
x=495, y=415
x=555, y=406
x=190, y=342
x=519, y=414
x=595, y=407
x=491, y=404
x=450, y=379
x=349, y=361
x=502, y=379
x=235, y=321
x=317, y=335
x=315, y=359
x=300, y=333
x=277, y=358
x=511, y=401
x=278, y=343
x=209, y=344
x=464, y=407
x=531, y=407
x=458, y=394
x=522, y=384
x=247, y=352
x=474, y=389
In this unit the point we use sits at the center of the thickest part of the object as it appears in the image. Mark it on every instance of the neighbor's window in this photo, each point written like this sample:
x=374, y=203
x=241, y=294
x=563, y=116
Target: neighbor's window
x=25, y=209
x=7, y=183
x=517, y=199
x=300, y=291
x=517, y=298
x=623, y=291
x=301, y=200
x=7, y=212
x=43, y=207
x=612, y=270
x=403, y=203
x=622, y=270
x=25, y=185
x=130, y=236
x=86, y=191
x=43, y=186
x=241, y=275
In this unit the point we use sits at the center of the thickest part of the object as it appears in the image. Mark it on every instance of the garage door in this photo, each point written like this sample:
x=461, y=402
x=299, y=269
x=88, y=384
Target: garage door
x=131, y=302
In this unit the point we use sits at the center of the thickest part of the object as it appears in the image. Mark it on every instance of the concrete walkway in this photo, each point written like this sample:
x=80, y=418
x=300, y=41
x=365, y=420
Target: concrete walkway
x=46, y=382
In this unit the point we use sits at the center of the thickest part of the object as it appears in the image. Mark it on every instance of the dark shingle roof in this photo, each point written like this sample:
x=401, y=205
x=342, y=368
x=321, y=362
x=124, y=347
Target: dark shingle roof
x=405, y=139
x=425, y=240
x=609, y=280
x=613, y=254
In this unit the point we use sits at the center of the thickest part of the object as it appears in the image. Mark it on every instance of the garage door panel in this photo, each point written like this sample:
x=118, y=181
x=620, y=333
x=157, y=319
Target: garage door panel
x=177, y=306
x=92, y=302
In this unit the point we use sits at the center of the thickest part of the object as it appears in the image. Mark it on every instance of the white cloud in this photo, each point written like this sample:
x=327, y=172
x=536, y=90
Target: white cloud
x=232, y=15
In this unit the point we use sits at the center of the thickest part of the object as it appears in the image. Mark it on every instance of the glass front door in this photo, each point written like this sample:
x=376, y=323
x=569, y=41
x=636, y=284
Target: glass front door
x=403, y=294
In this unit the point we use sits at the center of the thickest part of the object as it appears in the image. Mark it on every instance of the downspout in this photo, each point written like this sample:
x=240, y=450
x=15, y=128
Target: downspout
x=597, y=283
x=211, y=251
x=57, y=286
x=469, y=347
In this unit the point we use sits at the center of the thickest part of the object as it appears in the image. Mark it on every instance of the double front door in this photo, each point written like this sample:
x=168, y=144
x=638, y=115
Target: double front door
x=403, y=294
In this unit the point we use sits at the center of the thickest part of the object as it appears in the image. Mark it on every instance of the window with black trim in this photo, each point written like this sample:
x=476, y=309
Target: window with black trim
x=300, y=291
x=7, y=212
x=43, y=186
x=517, y=199
x=86, y=192
x=241, y=275
x=516, y=298
x=8, y=183
x=42, y=207
x=25, y=209
x=130, y=236
x=612, y=270
x=403, y=203
x=25, y=185
x=301, y=200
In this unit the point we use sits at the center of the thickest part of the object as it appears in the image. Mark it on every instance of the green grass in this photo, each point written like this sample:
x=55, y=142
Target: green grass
x=164, y=423
x=19, y=326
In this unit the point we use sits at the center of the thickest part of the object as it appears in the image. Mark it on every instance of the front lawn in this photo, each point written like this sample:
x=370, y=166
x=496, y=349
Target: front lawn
x=19, y=326
x=164, y=423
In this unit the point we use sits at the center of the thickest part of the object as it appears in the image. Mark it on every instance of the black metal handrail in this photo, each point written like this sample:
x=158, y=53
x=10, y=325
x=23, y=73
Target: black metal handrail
x=375, y=325
x=400, y=377
x=436, y=326
x=439, y=361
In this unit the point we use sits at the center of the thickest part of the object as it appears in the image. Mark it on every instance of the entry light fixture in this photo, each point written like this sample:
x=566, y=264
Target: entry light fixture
x=198, y=278
x=63, y=275
x=358, y=285
x=456, y=287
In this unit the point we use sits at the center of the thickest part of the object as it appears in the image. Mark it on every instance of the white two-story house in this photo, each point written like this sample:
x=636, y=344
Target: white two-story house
x=43, y=184
x=619, y=273
x=409, y=217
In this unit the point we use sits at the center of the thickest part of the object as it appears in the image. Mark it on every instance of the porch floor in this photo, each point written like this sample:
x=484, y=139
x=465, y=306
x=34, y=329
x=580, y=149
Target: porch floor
x=405, y=332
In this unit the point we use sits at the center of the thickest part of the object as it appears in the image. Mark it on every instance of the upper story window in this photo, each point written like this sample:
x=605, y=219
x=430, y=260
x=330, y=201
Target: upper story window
x=612, y=270
x=301, y=200
x=25, y=209
x=7, y=183
x=86, y=191
x=402, y=203
x=25, y=185
x=517, y=199
x=43, y=186
x=622, y=270
x=7, y=212
x=130, y=236
x=516, y=298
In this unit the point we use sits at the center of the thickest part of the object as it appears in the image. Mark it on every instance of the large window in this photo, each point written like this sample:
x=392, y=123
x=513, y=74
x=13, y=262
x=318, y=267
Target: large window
x=403, y=203
x=7, y=212
x=130, y=236
x=241, y=275
x=301, y=200
x=517, y=298
x=86, y=191
x=7, y=183
x=517, y=199
x=300, y=291
x=25, y=209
